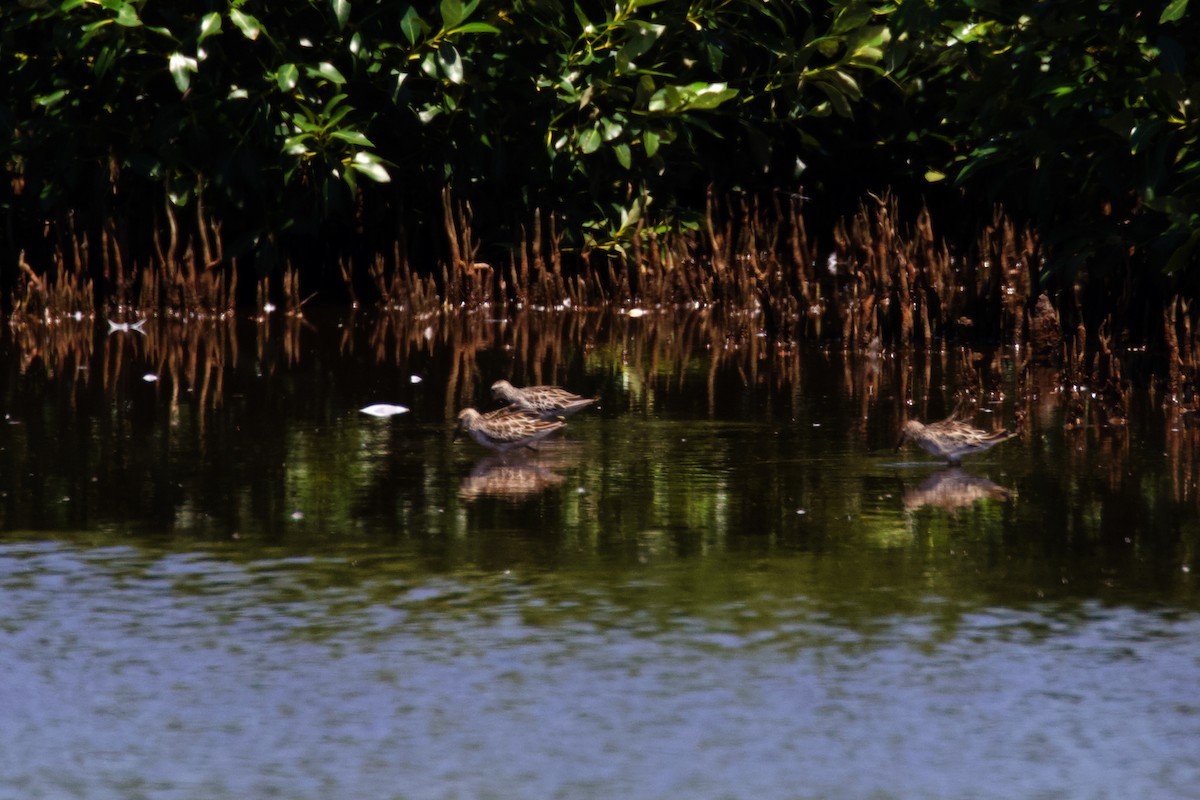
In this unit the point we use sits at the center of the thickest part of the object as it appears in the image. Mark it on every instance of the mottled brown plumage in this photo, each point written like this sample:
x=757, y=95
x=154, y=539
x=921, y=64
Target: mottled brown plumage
x=549, y=402
x=507, y=428
x=951, y=439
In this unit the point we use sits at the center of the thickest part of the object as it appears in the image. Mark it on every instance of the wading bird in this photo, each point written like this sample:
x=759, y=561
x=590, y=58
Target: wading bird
x=950, y=439
x=549, y=402
x=506, y=429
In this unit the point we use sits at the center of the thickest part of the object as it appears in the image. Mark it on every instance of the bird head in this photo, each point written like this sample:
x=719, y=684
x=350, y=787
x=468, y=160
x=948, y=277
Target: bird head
x=911, y=430
x=466, y=421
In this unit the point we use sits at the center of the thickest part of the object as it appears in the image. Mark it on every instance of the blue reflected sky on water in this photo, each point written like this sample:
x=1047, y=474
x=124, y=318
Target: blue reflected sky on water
x=182, y=676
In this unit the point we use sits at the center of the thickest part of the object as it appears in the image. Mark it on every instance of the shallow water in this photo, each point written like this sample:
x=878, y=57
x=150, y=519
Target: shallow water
x=722, y=582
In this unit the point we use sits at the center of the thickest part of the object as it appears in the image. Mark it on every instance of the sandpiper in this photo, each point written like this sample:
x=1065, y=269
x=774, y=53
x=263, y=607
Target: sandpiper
x=507, y=428
x=549, y=402
x=951, y=439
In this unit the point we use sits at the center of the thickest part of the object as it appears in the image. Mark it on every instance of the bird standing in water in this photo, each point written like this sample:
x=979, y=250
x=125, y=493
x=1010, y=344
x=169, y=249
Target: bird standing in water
x=951, y=438
x=549, y=402
x=507, y=428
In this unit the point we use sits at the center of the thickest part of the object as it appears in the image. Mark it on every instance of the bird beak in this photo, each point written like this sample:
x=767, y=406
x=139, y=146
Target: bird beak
x=457, y=431
x=899, y=444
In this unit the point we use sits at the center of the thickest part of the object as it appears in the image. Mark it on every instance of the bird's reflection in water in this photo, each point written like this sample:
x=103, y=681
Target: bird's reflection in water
x=519, y=476
x=953, y=489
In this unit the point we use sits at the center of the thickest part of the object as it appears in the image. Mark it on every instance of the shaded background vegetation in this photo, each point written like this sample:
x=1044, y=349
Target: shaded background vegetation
x=178, y=157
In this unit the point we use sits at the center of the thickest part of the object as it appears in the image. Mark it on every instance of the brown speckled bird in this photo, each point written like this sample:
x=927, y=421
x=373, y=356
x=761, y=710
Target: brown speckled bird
x=950, y=439
x=507, y=428
x=549, y=402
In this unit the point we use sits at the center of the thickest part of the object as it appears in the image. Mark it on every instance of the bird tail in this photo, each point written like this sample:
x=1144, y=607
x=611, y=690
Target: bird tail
x=1002, y=436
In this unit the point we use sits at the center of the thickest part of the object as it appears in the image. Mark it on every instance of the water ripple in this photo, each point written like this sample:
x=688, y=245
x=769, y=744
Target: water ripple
x=177, y=675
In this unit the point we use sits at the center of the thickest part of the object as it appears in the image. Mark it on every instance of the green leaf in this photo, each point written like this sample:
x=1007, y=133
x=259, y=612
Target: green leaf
x=429, y=64
x=871, y=37
x=248, y=25
x=1174, y=11
x=181, y=68
x=297, y=145
x=650, y=141
x=451, y=64
x=694, y=97
x=980, y=157
x=612, y=129
x=623, y=154
x=412, y=26
x=287, y=76
x=584, y=24
x=369, y=165
x=327, y=71
x=429, y=113
x=476, y=27
x=452, y=13
x=307, y=126
x=127, y=15
x=836, y=97
x=210, y=24
x=642, y=36
x=92, y=29
x=352, y=137
x=47, y=100
x=667, y=99
x=933, y=176
x=106, y=60
x=341, y=12
x=589, y=141
x=1146, y=135
x=843, y=80
x=708, y=96
x=334, y=111
x=634, y=215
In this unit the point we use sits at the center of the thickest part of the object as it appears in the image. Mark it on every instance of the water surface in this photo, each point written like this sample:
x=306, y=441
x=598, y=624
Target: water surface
x=722, y=582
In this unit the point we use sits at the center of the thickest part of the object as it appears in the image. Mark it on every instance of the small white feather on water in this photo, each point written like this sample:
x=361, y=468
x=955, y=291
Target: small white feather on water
x=384, y=410
x=149, y=377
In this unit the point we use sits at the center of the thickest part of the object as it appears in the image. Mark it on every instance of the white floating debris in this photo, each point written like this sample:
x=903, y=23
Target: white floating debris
x=150, y=377
x=297, y=515
x=383, y=410
x=415, y=378
x=801, y=511
x=127, y=326
x=268, y=307
x=636, y=312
